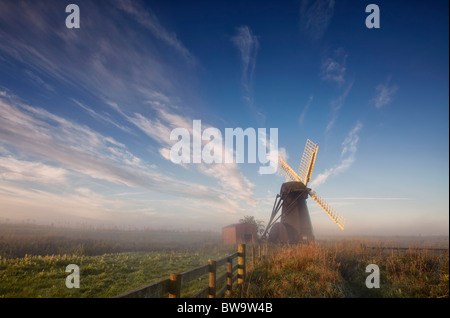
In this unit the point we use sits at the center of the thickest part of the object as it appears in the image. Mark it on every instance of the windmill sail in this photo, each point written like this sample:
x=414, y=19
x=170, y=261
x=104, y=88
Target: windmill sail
x=307, y=162
x=328, y=209
x=287, y=171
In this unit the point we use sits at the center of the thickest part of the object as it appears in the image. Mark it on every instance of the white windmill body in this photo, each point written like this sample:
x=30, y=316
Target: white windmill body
x=295, y=222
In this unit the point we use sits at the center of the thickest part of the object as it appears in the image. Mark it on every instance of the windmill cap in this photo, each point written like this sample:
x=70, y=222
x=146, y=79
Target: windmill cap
x=292, y=186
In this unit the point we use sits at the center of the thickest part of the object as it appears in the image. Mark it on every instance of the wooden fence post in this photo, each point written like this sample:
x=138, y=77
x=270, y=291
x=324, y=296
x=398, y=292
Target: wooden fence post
x=175, y=286
x=253, y=256
x=212, y=279
x=241, y=267
x=229, y=275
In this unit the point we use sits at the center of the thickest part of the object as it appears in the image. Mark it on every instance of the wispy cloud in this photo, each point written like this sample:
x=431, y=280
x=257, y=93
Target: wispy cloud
x=64, y=151
x=102, y=46
x=36, y=80
x=231, y=182
x=36, y=132
x=23, y=170
x=336, y=106
x=106, y=118
x=248, y=45
x=348, y=156
x=334, y=67
x=333, y=70
x=301, y=119
x=78, y=204
x=315, y=17
x=151, y=22
x=385, y=93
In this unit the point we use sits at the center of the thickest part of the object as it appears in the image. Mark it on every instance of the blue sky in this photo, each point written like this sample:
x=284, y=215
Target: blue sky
x=86, y=114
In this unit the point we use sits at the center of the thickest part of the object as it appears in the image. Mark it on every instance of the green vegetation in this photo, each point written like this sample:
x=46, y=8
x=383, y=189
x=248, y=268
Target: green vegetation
x=107, y=275
x=111, y=261
x=33, y=259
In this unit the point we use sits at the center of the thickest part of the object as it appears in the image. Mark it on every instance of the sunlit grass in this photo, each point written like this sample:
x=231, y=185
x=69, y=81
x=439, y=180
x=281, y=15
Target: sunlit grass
x=338, y=270
x=100, y=276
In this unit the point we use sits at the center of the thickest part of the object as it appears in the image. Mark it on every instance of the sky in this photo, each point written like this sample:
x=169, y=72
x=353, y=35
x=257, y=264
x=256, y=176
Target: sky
x=86, y=113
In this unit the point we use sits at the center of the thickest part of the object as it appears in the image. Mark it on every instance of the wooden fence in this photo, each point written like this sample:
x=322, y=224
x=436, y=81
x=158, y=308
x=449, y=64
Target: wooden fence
x=171, y=286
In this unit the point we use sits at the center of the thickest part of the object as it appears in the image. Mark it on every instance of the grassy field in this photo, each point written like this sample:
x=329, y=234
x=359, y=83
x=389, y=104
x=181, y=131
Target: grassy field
x=33, y=259
x=107, y=275
x=111, y=261
x=339, y=270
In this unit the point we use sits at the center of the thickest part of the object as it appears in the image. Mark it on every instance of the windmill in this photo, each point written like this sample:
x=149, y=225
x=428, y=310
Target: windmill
x=295, y=223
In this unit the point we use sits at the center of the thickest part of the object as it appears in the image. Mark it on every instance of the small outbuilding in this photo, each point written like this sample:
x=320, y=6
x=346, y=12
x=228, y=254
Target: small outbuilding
x=239, y=233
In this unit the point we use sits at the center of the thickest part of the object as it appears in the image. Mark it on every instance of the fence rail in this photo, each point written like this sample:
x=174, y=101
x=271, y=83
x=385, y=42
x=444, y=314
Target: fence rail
x=171, y=287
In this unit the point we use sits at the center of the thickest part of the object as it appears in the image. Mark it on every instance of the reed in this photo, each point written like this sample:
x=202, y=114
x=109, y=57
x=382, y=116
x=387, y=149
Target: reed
x=337, y=269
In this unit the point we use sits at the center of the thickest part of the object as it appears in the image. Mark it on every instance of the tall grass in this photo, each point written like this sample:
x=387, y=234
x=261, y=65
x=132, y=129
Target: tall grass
x=338, y=270
x=295, y=271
